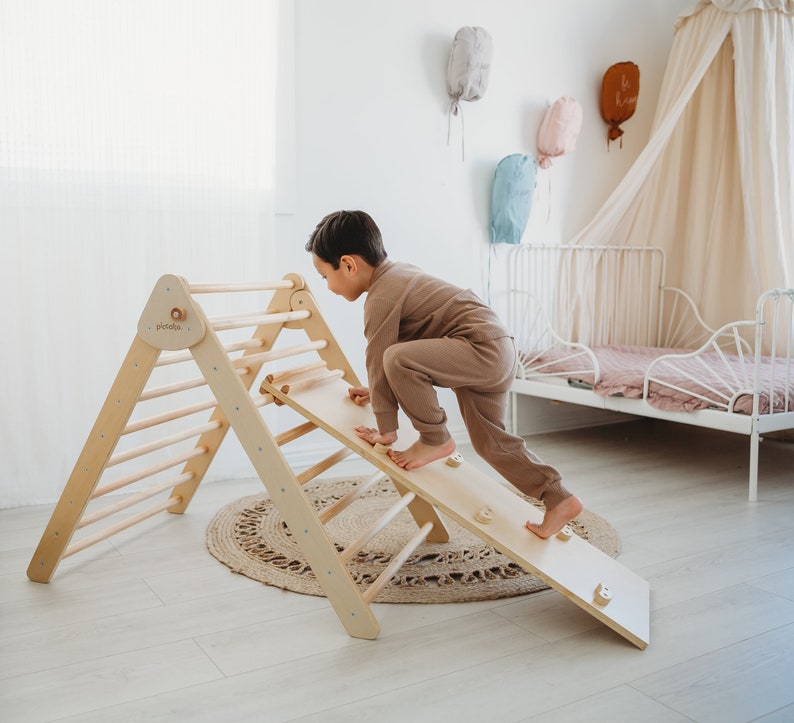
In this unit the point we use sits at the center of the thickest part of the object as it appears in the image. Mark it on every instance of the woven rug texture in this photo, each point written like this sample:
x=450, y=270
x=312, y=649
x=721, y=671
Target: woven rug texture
x=250, y=537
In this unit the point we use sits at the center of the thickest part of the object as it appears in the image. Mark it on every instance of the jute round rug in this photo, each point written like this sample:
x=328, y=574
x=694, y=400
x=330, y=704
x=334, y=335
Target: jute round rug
x=250, y=537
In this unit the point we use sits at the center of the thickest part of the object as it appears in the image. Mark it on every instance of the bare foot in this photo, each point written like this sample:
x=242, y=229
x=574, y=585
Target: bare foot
x=557, y=517
x=419, y=454
x=373, y=436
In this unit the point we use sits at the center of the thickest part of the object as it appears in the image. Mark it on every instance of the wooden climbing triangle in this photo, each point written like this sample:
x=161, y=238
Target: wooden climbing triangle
x=146, y=428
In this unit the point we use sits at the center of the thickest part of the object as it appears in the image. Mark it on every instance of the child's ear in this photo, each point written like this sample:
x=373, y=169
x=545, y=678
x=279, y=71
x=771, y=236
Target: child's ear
x=349, y=263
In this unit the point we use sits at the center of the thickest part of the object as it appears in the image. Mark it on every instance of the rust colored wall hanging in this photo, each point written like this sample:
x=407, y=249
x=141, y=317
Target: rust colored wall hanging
x=619, y=90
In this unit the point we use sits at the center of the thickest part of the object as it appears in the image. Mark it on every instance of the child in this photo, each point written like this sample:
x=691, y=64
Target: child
x=423, y=332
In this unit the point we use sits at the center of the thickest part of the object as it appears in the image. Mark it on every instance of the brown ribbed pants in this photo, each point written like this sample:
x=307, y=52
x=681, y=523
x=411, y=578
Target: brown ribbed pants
x=480, y=374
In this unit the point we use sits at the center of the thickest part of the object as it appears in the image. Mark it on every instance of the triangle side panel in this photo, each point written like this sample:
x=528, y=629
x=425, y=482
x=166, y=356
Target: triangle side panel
x=90, y=465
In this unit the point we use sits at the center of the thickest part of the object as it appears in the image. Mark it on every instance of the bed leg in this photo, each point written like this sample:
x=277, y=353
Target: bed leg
x=754, y=442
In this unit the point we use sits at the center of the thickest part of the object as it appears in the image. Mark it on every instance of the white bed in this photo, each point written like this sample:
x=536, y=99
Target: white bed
x=597, y=326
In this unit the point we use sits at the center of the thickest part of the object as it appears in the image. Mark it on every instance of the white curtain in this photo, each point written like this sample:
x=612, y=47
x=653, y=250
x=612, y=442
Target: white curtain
x=136, y=139
x=714, y=186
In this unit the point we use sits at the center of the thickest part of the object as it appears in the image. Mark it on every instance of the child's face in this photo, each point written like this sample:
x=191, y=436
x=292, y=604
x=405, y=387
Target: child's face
x=343, y=281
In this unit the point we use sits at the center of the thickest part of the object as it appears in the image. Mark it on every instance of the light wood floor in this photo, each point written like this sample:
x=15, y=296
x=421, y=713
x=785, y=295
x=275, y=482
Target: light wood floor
x=147, y=626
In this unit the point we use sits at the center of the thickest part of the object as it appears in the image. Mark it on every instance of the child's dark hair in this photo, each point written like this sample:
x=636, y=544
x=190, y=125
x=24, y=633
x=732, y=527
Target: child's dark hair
x=347, y=232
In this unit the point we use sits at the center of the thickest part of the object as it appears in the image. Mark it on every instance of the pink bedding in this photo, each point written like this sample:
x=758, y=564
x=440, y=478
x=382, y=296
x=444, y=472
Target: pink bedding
x=623, y=371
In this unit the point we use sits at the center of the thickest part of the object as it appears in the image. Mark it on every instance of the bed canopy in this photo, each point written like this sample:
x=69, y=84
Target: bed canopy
x=714, y=187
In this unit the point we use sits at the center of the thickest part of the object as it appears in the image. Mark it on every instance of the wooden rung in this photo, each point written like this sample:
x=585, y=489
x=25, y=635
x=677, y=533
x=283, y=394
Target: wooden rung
x=161, y=443
x=119, y=526
x=221, y=288
x=167, y=389
x=295, y=432
x=323, y=465
x=177, y=357
x=117, y=484
x=149, y=422
x=380, y=582
x=312, y=381
x=263, y=400
x=279, y=377
x=333, y=510
x=261, y=318
x=182, y=386
x=174, y=357
x=357, y=545
x=289, y=351
x=133, y=500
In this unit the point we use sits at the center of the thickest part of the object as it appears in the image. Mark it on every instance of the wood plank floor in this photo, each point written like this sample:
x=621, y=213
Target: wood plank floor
x=147, y=626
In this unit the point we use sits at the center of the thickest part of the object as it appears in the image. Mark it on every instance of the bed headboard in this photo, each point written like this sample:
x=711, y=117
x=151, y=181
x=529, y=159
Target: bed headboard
x=594, y=295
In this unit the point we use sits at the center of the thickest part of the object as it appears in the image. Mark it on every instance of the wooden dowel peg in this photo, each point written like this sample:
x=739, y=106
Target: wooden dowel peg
x=602, y=595
x=565, y=534
x=484, y=516
x=455, y=460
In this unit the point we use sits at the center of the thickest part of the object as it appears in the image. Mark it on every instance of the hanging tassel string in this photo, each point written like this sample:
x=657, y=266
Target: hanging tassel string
x=455, y=109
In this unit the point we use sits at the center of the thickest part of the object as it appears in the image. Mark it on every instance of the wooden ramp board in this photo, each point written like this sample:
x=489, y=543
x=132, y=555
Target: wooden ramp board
x=572, y=567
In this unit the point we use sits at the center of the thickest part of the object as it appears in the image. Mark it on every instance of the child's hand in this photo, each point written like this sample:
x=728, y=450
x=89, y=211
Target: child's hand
x=373, y=436
x=360, y=395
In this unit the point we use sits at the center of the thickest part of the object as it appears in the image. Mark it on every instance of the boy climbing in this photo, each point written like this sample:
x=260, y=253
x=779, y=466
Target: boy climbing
x=423, y=332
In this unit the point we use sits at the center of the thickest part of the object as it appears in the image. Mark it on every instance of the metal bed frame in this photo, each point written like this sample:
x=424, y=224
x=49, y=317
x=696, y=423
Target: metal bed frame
x=563, y=301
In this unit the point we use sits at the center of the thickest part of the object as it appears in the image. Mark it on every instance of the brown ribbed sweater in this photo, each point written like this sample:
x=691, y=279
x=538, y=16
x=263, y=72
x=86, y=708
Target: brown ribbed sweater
x=404, y=304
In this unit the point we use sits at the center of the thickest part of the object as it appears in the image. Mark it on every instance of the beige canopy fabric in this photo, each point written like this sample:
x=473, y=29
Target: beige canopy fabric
x=714, y=186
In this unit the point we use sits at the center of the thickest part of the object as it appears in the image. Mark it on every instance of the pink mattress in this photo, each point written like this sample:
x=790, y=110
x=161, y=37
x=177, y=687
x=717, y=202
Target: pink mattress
x=623, y=374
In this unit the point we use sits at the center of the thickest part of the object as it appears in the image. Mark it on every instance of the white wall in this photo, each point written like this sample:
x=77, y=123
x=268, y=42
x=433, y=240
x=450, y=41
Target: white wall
x=370, y=131
x=371, y=126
